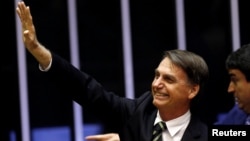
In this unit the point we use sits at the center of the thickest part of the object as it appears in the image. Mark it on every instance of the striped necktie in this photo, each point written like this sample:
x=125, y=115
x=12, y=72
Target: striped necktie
x=158, y=129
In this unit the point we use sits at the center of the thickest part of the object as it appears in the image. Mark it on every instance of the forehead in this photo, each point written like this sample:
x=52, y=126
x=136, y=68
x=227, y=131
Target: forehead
x=236, y=73
x=167, y=67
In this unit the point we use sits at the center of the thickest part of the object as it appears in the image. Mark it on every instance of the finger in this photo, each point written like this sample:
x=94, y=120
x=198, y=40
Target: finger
x=92, y=137
x=97, y=137
x=18, y=12
x=20, y=9
x=23, y=10
x=22, y=6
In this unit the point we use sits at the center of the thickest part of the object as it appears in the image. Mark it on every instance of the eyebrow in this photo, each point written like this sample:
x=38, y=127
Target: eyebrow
x=232, y=74
x=166, y=75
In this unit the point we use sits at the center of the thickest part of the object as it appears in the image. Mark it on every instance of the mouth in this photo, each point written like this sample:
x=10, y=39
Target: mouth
x=161, y=95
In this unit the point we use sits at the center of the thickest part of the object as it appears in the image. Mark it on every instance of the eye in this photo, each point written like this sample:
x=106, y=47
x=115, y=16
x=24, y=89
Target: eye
x=157, y=75
x=169, y=79
x=234, y=79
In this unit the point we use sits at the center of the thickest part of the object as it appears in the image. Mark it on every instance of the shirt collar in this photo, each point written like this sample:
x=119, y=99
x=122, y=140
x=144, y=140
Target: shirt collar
x=175, y=125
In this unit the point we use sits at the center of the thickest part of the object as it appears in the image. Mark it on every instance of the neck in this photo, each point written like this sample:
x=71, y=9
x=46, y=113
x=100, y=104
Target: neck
x=169, y=115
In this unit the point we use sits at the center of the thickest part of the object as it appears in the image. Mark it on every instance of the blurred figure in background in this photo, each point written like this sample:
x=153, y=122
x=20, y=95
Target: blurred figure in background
x=238, y=66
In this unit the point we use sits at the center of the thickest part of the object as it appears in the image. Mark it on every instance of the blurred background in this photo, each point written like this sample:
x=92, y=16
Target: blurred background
x=120, y=43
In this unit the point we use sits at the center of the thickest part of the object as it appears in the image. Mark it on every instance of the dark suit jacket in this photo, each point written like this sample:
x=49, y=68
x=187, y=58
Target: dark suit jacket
x=133, y=119
x=235, y=116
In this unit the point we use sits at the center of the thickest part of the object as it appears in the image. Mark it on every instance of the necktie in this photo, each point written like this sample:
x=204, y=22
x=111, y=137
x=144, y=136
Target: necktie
x=158, y=129
x=248, y=120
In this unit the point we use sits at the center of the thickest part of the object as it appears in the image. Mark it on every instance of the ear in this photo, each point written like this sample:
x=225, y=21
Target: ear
x=194, y=91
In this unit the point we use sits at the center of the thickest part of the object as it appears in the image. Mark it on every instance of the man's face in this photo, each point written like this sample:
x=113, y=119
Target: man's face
x=170, y=88
x=240, y=88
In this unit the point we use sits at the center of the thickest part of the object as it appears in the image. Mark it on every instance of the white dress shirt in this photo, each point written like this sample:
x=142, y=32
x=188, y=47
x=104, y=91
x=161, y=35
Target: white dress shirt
x=175, y=127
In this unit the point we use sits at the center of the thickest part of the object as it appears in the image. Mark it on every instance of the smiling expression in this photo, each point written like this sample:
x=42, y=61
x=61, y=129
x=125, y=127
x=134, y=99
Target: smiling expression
x=170, y=88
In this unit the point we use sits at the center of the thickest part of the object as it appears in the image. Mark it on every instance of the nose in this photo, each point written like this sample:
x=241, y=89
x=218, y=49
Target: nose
x=230, y=88
x=157, y=83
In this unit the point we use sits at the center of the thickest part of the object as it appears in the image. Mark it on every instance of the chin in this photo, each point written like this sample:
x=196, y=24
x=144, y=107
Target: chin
x=157, y=102
x=241, y=107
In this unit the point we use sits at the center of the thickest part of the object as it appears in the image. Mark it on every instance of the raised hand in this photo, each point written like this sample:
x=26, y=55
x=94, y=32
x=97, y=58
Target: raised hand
x=28, y=28
x=42, y=55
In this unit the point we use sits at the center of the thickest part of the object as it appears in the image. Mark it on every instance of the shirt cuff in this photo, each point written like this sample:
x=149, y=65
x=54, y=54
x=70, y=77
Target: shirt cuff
x=46, y=69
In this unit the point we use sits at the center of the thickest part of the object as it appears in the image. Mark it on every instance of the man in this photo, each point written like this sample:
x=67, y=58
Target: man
x=238, y=66
x=178, y=79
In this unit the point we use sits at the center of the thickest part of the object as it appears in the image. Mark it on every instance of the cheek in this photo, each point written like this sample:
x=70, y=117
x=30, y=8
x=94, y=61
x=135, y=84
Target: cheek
x=247, y=91
x=153, y=82
x=243, y=90
x=179, y=92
